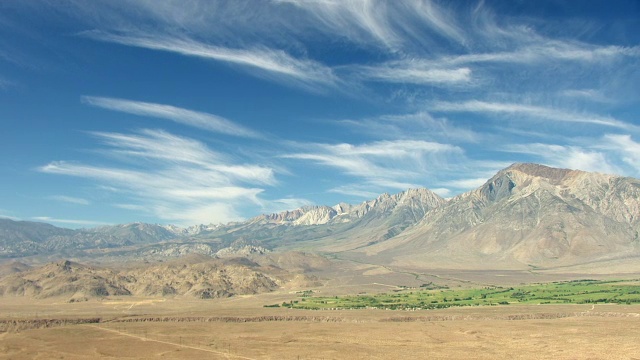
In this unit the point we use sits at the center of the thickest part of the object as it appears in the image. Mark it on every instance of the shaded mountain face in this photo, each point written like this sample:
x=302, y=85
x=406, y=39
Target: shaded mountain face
x=370, y=221
x=20, y=238
x=25, y=238
x=134, y=233
x=526, y=214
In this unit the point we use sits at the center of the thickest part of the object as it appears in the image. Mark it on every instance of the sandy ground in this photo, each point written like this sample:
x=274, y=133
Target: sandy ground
x=568, y=338
x=598, y=332
x=581, y=332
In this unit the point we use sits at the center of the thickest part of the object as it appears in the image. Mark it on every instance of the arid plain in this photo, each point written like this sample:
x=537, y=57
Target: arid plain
x=240, y=327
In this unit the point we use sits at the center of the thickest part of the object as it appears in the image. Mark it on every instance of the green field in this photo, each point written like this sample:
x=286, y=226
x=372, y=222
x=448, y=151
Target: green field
x=570, y=292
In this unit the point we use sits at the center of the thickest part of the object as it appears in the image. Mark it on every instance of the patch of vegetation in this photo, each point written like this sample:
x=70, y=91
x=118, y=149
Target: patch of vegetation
x=568, y=292
x=432, y=286
x=305, y=293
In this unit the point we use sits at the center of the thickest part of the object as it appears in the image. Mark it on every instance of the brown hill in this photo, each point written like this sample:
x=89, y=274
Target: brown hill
x=207, y=279
x=68, y=279
x=193, y=276
x=12, y=268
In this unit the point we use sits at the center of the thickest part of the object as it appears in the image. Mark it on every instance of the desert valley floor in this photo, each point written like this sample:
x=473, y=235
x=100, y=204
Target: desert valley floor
x=240, y=327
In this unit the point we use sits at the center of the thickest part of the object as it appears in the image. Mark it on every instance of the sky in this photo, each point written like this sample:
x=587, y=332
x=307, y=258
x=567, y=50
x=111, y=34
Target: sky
x=195, y=112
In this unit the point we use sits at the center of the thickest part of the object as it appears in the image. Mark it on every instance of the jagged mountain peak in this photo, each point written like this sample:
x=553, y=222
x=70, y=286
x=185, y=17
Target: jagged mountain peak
x=421, y=198
x=420, y=193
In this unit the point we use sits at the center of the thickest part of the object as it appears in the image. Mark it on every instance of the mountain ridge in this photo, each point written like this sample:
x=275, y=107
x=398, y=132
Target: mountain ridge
x=526, y=214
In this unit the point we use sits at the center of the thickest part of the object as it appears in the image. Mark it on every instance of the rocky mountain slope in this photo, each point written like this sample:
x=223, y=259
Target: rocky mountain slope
x=340, y=227
x=526, y=214
x=370, y=221
x=408, y=206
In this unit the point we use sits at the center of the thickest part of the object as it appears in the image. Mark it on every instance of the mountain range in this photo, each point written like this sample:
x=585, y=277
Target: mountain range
x=527, y=215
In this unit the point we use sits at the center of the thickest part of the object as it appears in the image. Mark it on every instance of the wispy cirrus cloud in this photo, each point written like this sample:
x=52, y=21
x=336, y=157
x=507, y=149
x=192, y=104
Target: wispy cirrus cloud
x=417, y=126
x=587, y=94
x=188, y=117
x=610, y=153
x=391, y=24
x=568, y=156
x=378, y=160
x=270, y=62
x=76, y=222
x=134, y=207
x=70, y=199
x=176, y=178
x=468, y=183
x=545, y=51
x=398, y=164
x=355, y=190
x=529, y=111
x=625, y=148
x=413, y=72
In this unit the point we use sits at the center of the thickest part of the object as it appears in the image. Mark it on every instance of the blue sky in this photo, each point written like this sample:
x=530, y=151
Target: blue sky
x=190, y=112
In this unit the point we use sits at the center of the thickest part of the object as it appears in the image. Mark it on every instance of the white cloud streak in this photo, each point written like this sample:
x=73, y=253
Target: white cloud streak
x=443, y=192
x=625, y=147
x=414, y=72
x=417, y=126
x=79, y=223
x=276, y=63
x=171, y=149
x=587, y=94
x=197, y=119
x=70, y=199
x=391, y=24
x=360, y=191
x=382, y=164
x=569, y=157
x=134, y=207
x=467, y=183
x=175, y=178
x=529, y=111
x=545, y=51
